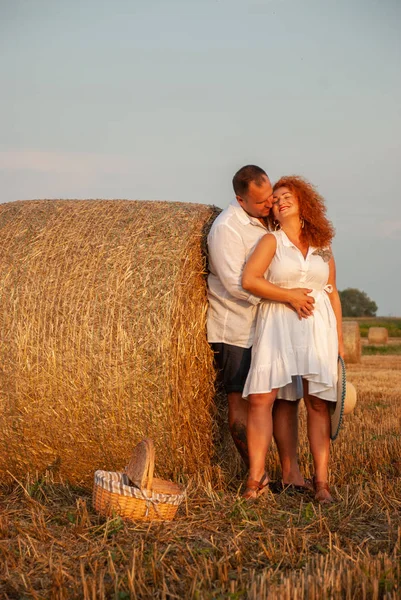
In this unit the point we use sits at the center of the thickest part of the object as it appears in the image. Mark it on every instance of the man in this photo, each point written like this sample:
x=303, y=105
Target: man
x=232, y=311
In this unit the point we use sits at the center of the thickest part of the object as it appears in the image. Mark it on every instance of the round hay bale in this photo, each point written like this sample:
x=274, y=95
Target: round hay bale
x=352, y=342
x=377, y=335
x=102, y=336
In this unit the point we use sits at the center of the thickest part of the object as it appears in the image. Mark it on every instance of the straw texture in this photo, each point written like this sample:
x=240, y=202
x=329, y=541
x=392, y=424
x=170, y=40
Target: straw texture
x=352, y=342
x=377, y=335
x=102, y=335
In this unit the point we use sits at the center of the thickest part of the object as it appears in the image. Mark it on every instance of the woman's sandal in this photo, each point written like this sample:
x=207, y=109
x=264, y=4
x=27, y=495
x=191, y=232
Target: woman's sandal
x=254, y=488
x=321, y=487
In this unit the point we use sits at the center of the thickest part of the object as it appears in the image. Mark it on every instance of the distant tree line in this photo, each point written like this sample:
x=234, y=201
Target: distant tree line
x=357, y=304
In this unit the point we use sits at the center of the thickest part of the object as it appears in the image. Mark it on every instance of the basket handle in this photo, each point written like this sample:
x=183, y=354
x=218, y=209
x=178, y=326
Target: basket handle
x=141, y=464
x=151, y=463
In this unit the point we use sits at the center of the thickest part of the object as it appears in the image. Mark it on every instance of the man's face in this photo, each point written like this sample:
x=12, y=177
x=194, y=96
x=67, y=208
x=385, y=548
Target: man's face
x=258, y=200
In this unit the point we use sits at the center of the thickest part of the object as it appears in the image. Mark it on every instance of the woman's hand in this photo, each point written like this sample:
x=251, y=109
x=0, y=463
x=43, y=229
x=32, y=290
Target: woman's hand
x=299, y=300
x=341, y=348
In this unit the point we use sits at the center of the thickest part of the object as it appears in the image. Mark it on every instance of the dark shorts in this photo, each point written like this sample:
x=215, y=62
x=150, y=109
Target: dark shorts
x=233, y=363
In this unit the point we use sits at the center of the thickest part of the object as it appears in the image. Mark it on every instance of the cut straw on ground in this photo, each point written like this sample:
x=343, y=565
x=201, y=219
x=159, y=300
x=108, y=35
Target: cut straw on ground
x=53, y=545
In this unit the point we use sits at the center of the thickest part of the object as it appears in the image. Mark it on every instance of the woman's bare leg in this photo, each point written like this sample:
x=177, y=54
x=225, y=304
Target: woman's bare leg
x=259, y=431
x=285, y=431
x=318, y=421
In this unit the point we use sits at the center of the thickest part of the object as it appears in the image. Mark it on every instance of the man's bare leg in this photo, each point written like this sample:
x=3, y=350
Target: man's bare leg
x=285, y=430
x=237, y=420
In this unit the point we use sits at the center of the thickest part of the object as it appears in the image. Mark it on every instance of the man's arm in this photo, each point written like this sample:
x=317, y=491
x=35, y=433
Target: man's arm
x=228, y=255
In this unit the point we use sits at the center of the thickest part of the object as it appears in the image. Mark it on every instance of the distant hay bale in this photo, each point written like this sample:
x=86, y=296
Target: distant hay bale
x=377, y=335
x=352, y=342
x=102, y=336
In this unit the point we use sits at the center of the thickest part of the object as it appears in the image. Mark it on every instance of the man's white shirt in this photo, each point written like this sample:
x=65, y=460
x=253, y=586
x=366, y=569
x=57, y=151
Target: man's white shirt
x=232, y=310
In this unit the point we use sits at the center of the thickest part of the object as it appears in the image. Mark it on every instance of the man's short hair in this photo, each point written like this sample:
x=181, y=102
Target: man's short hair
x=244, y=176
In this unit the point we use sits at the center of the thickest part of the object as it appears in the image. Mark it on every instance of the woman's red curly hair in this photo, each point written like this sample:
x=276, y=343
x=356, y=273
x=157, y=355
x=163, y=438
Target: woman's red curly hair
x=318, y=231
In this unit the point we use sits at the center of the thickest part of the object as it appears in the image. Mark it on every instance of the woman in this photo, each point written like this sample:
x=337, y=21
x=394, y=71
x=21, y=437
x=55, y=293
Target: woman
x=297, y=253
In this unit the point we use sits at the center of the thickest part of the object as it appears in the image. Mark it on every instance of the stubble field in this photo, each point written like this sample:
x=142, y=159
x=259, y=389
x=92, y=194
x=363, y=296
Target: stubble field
x=54, y=546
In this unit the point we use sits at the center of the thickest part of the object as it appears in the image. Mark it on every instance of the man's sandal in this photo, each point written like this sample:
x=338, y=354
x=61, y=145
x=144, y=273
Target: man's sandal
x=254, y=488
x=322, y=492
x=293, y=488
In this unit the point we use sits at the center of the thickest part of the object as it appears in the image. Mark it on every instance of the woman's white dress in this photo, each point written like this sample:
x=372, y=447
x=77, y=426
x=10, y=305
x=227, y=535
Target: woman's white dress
x=284, y=345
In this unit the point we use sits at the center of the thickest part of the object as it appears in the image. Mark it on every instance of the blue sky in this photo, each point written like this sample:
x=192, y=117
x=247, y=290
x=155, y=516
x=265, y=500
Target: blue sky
x=167, y=99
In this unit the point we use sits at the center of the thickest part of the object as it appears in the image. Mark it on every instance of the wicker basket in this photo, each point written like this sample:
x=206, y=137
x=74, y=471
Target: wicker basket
x=114, y=494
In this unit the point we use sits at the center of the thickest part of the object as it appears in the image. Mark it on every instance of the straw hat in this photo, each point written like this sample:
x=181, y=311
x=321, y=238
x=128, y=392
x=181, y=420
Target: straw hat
x=346, y=400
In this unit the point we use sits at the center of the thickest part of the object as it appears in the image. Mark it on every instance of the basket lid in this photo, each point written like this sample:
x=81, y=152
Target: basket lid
x=141, y=464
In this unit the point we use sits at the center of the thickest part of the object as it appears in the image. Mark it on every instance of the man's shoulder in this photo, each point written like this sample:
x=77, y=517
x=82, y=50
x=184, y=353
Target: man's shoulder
x=227, y=218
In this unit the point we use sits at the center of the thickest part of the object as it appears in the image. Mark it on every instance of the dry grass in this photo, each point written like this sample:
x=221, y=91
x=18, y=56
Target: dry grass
x=54, y=546
x=102, y=335
x=392, y=341
x=381, y=349
x=102, y=343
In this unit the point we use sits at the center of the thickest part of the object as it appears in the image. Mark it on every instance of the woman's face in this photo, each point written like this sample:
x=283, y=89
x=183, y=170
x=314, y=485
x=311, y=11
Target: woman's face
x=285, y=204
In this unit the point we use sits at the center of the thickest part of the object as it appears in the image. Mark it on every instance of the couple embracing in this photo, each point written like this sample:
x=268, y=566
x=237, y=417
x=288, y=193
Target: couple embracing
x=274, y=323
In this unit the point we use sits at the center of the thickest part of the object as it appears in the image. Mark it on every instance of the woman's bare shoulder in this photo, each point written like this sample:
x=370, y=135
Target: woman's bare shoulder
x=269, y=240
